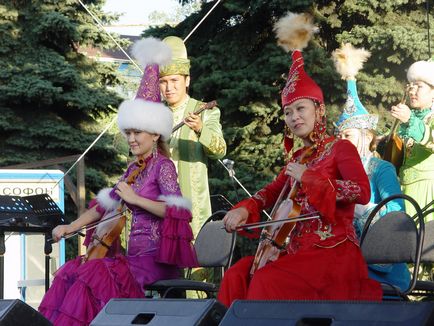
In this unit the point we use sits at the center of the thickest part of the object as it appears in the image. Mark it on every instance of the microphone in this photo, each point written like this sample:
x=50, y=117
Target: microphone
x=228, y=163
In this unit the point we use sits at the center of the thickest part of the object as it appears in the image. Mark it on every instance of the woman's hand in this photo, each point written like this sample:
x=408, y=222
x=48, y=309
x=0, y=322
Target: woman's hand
x=401, y=112
x=235, y=218
x=60, y=230
x=295, y=170
x=127, y=193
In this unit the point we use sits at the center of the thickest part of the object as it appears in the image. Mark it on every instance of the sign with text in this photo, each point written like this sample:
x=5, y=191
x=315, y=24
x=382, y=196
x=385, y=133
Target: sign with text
x=24, y=258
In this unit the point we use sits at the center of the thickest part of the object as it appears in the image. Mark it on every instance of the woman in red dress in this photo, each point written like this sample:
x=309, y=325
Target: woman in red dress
x=322, y=260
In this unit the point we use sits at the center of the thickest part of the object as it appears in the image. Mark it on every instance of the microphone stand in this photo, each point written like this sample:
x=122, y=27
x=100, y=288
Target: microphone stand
x=231, y=173
x=230, y=167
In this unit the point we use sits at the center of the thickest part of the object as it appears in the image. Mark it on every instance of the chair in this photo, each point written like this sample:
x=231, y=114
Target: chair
x=426, y=288
x=394, y=238
x=214, y=248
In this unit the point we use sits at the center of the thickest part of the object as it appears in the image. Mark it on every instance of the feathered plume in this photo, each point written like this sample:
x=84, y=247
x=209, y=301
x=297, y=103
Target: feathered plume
x=294, y=31
x=349, y=60
x=151, y=51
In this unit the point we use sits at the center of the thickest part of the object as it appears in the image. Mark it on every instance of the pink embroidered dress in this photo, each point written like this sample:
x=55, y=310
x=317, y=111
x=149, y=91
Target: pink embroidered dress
x=157, y=249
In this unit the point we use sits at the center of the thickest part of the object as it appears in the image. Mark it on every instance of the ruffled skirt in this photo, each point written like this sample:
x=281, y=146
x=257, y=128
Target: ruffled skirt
x=80, y=291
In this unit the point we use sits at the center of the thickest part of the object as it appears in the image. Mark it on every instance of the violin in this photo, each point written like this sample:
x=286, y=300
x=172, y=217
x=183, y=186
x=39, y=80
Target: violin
x=109, y=228
x=273, y=237
x=394, y=146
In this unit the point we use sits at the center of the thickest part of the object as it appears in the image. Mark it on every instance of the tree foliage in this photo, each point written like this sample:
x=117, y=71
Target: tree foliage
x=54, y=100
x=235, y=60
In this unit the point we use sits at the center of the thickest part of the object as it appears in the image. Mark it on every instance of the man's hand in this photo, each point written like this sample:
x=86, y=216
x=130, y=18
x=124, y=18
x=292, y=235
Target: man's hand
x=401, y=112
x=194, y=122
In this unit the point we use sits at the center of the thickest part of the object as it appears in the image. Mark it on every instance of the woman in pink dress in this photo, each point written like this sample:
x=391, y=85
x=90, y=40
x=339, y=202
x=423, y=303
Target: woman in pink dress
x=160, y=236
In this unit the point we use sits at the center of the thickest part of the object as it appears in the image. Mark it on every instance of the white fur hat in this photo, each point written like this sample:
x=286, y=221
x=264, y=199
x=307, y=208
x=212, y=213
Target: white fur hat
x=146, y=112
x=421, y=71
x=152, y=117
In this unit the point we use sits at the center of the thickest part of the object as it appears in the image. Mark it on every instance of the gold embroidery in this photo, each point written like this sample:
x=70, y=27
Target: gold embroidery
x=333, y=245
x=177, y=67
x=323, y=235
x=217, y=145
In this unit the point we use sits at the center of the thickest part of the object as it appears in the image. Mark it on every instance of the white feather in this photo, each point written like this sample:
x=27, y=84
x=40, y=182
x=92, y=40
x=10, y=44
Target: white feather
x=294, y=31
x=349, y=60
x=151, y=51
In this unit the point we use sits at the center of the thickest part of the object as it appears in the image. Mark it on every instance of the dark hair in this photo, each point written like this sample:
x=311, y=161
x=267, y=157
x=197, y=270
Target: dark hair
x=163, y=147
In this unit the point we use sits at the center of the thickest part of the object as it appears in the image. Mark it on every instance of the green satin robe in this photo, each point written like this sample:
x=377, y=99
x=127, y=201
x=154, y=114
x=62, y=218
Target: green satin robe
x=190, y=153
x=417, y=172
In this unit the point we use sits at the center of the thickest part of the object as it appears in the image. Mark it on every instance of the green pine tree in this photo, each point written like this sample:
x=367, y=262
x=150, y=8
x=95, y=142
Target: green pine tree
x=54, y=100
x=236, y=61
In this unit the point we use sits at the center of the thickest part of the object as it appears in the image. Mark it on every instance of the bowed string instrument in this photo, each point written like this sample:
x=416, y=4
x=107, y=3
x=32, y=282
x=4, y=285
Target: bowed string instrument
x=108, y=229
x=284, y=216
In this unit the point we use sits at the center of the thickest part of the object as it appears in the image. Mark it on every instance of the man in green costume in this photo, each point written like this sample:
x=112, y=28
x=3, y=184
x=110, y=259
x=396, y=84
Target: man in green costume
x=417, y=130
x=198, y=140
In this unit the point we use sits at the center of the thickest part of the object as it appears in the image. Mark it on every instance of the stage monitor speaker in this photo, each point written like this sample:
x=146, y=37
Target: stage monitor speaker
x=18, y=313
x=161, y=312
x=322, y=313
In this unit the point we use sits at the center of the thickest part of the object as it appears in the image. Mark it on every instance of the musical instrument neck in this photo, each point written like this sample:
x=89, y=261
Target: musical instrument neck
x=204, y=107
x=393, y=130
x=396, y=122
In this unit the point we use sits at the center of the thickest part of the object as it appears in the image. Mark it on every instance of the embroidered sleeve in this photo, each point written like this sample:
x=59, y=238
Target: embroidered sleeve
x=428, y=137
x=167, y=179
x=351, y=186
x=211, y=136
x=263, y=199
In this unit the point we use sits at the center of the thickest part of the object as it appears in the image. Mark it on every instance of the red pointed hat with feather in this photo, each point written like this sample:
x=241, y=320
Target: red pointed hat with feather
x=293, y=33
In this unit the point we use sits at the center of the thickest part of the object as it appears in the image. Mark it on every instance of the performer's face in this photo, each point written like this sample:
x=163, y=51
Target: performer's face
x=361, y=138
x=140, y=142
x=421, y=95
x=300, y=117
x=174, y=88
x=351, y=134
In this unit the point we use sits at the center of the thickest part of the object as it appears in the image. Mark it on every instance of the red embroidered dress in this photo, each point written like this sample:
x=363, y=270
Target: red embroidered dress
x=323, y=260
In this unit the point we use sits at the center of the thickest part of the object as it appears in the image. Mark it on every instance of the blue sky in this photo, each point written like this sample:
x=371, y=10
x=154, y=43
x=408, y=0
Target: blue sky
x=136, y=12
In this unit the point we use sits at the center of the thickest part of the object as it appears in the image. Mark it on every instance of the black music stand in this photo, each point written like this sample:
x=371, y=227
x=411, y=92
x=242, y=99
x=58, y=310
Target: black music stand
x=28, y=214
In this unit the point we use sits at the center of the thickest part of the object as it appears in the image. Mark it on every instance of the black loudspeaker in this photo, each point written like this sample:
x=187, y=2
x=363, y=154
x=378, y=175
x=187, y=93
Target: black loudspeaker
x=321, y=313
x=18, y=313
x=161, y=312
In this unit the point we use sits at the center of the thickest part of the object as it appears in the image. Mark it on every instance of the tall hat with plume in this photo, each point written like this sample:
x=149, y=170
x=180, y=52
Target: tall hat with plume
x=421, y=71
x=180, y=64
x=146, y=112
x=348, y=61
x=293, y=33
